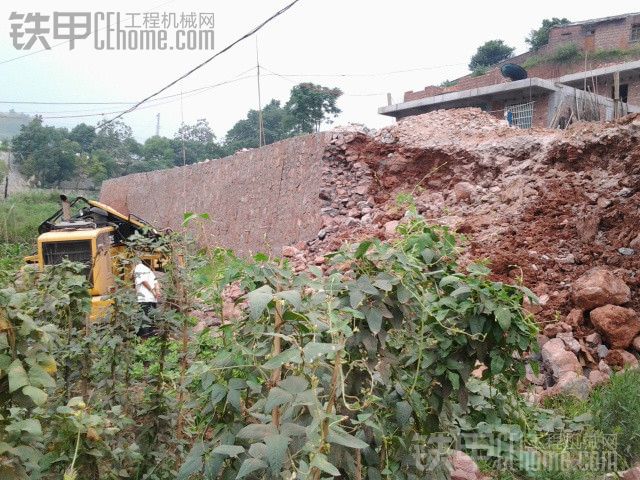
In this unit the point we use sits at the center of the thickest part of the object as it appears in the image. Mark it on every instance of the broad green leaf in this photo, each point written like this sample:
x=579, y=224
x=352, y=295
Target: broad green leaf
x=497, y=364
x=288, y=356
x=228, y=450
x=340, y=437
x=404, y=295
x=218, y=393
x=277, y=396
x=193, y=463
x=234, y=398
x=355, y=297
x=362, y=249
x=294, y=384
x=454, y=378
x=258, y=300
x=276, y=450
x=383, y=284
x=320, y=461
x=29, y=425
x=38, y=396
x=364, y=284
x=503, y=316
x=448, y=280
x=249, y=466
x=374, y=319
x=38, y=377
x=291, y=296
x=256, y=431
x=258, y=450
x=461, y=290
x=314, y=350
x=17, y=376
x=403, y=413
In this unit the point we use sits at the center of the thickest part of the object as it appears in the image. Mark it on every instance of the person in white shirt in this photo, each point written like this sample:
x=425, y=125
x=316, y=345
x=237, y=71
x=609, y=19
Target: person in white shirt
x=148, y=292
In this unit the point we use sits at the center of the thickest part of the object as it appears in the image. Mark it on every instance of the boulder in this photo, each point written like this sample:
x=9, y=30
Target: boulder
x=620, y=359
x=390, y=228
x=570, y=342
x=289, y=251
x=598, y=287
x=636, y=344
x=573, y=384
x=596, y=377
x=604, y=368
x=632, y=474
x=464, y=191
x=618, y=325
x=593, y=339
x=559, y=360
x=463, y=467
x=575, y=317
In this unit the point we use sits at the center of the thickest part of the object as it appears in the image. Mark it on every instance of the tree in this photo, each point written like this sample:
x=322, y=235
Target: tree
x=200, y=132
x=116, y=142
x=490, y=53
x=309, y=105
x=45, y=153
x=197, y=142
x=84, y=135
x=159, y=150
x=540, y=37
x=245, y=133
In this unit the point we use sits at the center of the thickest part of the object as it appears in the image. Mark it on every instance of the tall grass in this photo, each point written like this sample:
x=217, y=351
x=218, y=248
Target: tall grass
x=616, y=410
x=22, y=213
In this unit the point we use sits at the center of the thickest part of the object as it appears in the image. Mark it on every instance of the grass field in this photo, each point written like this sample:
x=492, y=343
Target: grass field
x=21, y=213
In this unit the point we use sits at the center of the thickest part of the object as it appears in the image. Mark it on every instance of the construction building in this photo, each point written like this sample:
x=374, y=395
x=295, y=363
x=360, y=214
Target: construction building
x=589, y=70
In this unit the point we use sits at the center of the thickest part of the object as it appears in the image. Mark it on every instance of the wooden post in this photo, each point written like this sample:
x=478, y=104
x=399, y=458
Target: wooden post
x=6, y=179
x=616, y=95
x=277, y=349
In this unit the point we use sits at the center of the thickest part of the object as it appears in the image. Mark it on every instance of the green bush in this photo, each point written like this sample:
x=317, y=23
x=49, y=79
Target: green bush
x=565, y=53
x=22, y=213
x=616, y=410
x=479, y=71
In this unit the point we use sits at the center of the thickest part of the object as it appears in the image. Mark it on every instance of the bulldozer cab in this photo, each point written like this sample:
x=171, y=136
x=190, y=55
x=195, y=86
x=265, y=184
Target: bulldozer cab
x=93, y=235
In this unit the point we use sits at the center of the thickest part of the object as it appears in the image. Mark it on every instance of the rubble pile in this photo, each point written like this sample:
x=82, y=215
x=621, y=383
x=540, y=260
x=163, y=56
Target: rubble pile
x=556, y=210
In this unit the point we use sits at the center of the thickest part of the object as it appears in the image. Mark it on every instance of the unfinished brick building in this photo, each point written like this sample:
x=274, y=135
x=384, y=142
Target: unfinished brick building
x=589, y=70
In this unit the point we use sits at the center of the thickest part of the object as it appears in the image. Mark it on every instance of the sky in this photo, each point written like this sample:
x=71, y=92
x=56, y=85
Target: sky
x=367, y=48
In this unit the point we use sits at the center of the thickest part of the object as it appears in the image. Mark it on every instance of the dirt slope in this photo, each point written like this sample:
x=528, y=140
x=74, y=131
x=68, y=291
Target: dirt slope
x=541, y=205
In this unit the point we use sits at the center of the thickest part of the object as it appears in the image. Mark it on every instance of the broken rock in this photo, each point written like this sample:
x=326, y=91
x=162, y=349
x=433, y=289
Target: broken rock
x=596, y=377
x=464, y=191
x=620, y=359
x=618, y=325
x=574, y=384
x=463, y=467
x=599, y=287
x=559, y=360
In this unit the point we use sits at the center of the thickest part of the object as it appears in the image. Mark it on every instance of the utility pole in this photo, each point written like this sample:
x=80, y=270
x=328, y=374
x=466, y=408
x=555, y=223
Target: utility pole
x=6, y=179
x=261, y=139
x=158, y=125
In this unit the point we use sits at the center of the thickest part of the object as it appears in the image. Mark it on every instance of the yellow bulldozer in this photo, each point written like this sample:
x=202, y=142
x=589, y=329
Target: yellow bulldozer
x=94, y=234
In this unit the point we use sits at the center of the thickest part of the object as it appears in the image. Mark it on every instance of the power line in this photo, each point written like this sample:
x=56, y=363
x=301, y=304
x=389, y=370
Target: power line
x=197, y=67
x=372, y=94
x=154, y=105
x=203, y=88
x=369, y=74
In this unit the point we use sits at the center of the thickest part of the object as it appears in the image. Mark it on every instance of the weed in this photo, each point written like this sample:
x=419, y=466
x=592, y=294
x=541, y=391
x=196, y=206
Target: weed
x=616, y=410
x=22, y=213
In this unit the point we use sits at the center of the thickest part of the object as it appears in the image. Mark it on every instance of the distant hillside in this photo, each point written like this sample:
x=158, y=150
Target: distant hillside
x=10, y=123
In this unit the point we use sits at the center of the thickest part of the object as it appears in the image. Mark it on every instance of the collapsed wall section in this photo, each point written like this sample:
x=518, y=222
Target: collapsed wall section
x=257, y=200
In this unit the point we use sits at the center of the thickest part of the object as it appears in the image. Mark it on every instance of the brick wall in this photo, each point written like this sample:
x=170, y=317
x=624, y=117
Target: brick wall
x=258, y=200
x=608, y=35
